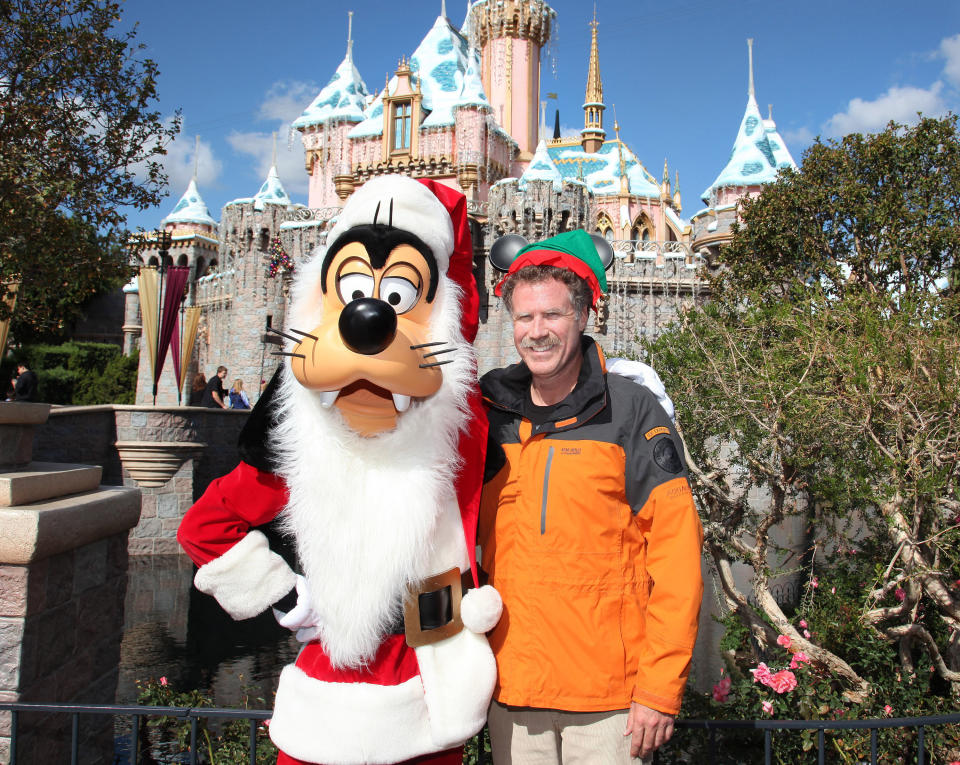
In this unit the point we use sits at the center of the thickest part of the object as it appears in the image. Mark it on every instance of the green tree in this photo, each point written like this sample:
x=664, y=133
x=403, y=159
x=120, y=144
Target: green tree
x=79, y=141
x=824, y=373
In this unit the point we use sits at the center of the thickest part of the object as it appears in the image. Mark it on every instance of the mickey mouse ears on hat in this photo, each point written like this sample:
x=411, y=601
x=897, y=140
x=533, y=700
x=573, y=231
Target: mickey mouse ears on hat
x=504, y=251
x=586, y=255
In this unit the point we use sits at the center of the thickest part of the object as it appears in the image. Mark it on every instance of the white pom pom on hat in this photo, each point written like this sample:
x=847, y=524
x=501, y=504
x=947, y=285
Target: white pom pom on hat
x=480, y=609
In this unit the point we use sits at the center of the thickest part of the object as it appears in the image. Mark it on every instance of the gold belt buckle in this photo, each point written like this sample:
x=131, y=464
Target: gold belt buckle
x=417, y=637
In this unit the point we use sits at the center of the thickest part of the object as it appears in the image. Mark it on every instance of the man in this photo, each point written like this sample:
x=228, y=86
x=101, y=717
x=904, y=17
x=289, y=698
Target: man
x=25, y=384
x=214, y=395
x=587, y=529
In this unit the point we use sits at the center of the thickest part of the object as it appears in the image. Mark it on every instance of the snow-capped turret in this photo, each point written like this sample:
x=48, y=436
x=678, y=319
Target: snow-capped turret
x=191, y=208
x=344, y=98
x=541, y=168
x=753, y=161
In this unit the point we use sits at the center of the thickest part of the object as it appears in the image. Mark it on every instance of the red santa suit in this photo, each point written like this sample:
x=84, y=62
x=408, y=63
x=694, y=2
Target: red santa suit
x=371, y=519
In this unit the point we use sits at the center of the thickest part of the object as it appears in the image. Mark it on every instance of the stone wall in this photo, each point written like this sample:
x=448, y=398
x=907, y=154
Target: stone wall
x=61, y=622
x=87, y=434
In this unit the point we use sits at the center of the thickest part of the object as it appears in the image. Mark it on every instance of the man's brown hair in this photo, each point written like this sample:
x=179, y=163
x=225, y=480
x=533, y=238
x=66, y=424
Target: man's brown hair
x=581, y=296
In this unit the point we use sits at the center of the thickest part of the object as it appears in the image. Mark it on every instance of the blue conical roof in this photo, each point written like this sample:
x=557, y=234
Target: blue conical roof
x=344, y=98
x=191, y=208
x=541, y=168
x=271, y=192
x=757, y=156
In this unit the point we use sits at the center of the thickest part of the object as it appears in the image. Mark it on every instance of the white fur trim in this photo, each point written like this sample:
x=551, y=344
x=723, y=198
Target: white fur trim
x=458, y=678
x=480, y=609
x=349, y=723
x=415, y=209
x=248, y=578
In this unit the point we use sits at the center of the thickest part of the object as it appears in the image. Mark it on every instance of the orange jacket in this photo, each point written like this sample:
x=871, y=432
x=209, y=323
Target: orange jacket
x=589, y=531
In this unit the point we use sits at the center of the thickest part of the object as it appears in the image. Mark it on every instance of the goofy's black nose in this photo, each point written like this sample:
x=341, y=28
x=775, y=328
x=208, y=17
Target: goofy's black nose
x=368, y=325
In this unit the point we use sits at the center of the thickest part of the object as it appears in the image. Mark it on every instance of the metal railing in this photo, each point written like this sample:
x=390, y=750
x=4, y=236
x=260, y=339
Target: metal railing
x=709, y=727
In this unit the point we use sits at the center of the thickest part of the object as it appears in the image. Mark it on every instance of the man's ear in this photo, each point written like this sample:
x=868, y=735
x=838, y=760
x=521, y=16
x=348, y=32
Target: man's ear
x=584, y=318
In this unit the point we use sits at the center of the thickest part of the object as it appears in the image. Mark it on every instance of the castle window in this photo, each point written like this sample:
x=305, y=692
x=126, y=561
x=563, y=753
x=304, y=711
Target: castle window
x=402, y=116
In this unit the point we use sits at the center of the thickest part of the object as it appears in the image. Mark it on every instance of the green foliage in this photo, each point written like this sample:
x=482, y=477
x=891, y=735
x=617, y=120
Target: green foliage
x=883, y=207
x=77, y=124
x=824, y=372
x=81, y=373
x=116, y=384
x=223, y=743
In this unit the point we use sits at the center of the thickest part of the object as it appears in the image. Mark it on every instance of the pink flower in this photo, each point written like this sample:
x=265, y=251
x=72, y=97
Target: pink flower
x=899, y=594
x=814, y=582
x=163, y=681
x=798, y=660
x=833, y=590
x=783, y=681
x=803, y=623
x=806, y=634
x=722, y=689
x=888, y=710
x=761, y=674
x=784, y=640
x=767, y=707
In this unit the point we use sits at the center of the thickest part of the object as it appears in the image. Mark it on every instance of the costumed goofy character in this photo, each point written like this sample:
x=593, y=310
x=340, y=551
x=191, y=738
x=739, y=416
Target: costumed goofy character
x=368, y=448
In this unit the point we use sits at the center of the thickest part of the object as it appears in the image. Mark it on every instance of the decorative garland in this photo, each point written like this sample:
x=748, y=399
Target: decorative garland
x=280, y=262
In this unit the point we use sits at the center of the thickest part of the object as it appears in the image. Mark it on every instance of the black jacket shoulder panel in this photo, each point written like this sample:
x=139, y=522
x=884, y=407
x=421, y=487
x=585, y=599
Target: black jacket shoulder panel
x=253, y=443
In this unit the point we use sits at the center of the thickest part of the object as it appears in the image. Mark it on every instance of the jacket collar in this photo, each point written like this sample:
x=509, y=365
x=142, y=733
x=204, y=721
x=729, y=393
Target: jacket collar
x=507, y=389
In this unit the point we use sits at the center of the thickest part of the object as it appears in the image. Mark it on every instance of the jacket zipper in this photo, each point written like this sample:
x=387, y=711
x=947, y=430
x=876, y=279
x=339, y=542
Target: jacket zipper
x=546, y=487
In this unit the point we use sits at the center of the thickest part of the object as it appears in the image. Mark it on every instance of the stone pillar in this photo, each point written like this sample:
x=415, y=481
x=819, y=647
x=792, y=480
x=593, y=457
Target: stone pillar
x=63, y=566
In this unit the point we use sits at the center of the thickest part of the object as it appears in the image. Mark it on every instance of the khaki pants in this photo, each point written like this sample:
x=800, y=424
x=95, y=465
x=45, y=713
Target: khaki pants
x=527, y=736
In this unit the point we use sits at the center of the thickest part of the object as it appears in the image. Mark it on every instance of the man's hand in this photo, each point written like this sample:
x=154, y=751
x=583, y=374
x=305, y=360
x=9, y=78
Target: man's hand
x=648, y=728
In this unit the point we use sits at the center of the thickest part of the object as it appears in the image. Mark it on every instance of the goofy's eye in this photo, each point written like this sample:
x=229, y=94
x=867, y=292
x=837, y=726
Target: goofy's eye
x=355, y=286
x=401, y=293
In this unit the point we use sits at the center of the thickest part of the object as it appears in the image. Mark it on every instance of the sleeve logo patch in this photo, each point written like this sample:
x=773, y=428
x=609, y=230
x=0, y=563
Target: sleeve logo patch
x=665, y=455
x=656, y=432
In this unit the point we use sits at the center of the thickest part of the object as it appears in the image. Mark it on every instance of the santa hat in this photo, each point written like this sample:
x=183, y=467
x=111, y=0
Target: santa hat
x=573, y=250
x=437, y=214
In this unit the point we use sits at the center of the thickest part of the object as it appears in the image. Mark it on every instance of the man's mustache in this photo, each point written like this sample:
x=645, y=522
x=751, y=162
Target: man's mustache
x=540, y=343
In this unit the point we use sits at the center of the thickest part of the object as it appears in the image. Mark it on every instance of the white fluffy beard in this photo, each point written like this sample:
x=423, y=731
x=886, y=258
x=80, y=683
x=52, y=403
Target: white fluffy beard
x=363, y=510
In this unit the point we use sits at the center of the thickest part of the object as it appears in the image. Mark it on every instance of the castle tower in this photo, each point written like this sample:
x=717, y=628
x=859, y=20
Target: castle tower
x=193, y=243
x=593, y=133
x=758, y=155
x=510, y=35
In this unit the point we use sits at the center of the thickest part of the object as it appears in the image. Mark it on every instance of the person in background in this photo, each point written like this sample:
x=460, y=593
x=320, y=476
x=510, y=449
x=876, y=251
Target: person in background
x=588, y=530
x=24, y=384
x=214, y=396
x=197, y=387
x=238, y=397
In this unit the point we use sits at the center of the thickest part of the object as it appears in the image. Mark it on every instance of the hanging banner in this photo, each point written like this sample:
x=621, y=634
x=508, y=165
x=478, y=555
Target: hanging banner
x=173, y=294
x=148, y=285
x=183, y=339
x=8, y=293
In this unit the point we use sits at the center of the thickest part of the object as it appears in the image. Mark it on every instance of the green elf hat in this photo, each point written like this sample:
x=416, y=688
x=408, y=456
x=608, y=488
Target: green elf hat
x=573, y=250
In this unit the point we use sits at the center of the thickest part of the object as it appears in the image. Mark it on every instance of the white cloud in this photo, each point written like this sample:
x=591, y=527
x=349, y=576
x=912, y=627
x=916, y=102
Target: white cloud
x=285, y=101
x=950, y=50
x=178, y=164
x=289, y=158
x=900, y=104
x=182, y=156
x=798, y=138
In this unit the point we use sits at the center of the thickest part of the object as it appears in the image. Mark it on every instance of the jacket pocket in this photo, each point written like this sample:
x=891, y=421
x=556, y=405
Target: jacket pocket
x=546, y=490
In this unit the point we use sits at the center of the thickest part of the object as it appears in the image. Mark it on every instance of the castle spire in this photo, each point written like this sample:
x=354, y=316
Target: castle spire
x=443, y=9
x=350, y=36
x=750, y=59
x=624, y=181
x=593, y=133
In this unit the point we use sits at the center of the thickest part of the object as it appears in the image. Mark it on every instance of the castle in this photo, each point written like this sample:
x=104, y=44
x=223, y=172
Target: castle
x=463, y=109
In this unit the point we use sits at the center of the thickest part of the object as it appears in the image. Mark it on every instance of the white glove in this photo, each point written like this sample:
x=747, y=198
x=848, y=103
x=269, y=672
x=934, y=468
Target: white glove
x=301, y=617
x=643, y=374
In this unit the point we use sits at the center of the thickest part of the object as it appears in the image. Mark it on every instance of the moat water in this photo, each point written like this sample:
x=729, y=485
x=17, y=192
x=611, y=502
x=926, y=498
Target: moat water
x=173, y=631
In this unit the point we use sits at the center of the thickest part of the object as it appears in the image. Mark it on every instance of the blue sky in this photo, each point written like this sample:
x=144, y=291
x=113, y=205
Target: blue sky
x=675, y=71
